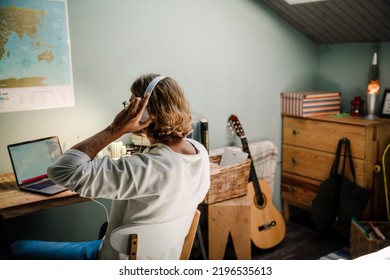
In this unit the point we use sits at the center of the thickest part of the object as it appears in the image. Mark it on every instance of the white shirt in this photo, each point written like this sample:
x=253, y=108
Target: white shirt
x=155, y=186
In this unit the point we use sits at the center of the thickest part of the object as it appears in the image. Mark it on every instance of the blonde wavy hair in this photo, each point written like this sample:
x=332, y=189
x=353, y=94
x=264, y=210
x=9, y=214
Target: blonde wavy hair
x=168, y=108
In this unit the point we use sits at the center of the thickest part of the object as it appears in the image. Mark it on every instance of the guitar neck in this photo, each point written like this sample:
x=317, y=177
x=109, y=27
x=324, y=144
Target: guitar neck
x=245, y=146
x=252, y=173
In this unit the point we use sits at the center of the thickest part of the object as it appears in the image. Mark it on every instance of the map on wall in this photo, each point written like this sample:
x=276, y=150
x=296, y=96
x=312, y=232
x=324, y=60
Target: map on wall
x=35, y=57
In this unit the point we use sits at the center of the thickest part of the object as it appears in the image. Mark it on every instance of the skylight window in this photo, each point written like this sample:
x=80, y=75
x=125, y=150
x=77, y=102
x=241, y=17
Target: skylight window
x=293, y=2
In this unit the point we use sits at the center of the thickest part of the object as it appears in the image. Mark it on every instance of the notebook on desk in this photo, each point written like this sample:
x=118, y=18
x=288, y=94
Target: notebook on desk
x=30, y=161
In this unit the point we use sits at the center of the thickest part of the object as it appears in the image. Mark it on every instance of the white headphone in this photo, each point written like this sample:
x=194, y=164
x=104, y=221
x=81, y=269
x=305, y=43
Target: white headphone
x=149, y=89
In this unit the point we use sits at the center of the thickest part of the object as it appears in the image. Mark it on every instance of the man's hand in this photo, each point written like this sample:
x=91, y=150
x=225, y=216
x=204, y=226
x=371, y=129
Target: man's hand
x=129, y=119
x=126, y=121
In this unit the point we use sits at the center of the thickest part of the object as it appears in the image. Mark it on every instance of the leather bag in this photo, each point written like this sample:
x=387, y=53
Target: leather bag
x=325, y=204
x=353, y=199
x=339, y=198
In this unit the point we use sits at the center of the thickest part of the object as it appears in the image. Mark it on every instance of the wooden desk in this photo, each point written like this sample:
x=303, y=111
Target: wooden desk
x=14, y=203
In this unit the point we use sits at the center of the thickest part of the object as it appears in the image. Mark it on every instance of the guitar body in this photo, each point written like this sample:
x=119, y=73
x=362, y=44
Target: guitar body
x=267, y=224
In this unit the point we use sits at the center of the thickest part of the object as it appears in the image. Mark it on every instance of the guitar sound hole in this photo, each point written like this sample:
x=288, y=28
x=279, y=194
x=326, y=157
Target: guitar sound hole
x=260, y=204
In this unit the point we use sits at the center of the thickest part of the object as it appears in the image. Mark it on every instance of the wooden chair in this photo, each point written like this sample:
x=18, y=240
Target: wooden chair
x=148, y=240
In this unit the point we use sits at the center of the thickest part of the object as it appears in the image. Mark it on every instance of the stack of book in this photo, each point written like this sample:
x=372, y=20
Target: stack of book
x=310, y=103
x=204, y=133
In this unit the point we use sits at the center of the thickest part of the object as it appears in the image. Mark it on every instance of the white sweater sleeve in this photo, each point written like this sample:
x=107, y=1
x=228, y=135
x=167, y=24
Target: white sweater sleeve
x=104, y=178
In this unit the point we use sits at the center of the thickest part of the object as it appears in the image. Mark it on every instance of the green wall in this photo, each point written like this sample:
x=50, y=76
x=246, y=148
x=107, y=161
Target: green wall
x=345, y=68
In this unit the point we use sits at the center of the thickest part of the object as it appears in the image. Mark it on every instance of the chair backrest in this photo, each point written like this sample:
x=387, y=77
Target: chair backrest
x=189, y=240
x=149, y=240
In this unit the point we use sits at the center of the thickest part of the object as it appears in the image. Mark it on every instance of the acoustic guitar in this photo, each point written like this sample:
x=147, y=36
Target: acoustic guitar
x=267, y=224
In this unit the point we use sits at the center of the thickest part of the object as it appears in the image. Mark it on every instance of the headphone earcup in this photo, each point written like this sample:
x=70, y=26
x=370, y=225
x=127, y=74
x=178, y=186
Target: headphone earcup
x=145, y=116
x=149, y=89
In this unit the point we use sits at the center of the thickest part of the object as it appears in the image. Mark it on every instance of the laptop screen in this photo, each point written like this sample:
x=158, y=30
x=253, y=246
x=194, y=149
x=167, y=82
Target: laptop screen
x=31, y=159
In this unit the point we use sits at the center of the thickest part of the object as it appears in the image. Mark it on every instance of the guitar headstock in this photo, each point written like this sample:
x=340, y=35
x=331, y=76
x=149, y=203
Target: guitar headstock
x=235, y=125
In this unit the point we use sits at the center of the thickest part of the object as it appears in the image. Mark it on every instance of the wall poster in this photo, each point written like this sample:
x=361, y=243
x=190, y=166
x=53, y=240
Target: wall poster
x=35, y=55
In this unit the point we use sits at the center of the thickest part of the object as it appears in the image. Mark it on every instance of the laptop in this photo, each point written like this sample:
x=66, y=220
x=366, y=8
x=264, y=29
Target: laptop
x=30, y=161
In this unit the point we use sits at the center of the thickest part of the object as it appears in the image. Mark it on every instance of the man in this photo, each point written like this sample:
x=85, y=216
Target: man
x=165, y=182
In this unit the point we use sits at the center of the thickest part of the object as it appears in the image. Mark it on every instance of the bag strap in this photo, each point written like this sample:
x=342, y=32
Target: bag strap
x=351, y=166
x=336, y=162
x=348, y=155
x=345, y=141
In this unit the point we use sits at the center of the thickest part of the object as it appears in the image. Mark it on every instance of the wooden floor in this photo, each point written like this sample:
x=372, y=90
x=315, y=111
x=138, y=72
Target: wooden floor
x=301, y=242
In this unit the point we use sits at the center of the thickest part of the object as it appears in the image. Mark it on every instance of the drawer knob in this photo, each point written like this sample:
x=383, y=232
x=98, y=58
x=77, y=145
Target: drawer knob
x=295, y=131
x=294, y=160
x=293, y=188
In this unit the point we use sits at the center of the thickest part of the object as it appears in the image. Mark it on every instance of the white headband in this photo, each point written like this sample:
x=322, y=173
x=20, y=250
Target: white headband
x=153, y=84
x=149, y=89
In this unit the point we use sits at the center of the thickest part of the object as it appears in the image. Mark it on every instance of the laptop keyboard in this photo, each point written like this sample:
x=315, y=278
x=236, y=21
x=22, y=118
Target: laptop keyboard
x=41, y=185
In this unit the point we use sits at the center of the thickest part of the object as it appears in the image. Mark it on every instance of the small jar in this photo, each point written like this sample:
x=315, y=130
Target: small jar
x=357, y=106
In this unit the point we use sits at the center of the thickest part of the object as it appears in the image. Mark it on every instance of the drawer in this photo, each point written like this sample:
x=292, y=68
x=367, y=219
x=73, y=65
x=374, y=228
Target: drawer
x=315, y=164
x=322, y=135
x=298, y=191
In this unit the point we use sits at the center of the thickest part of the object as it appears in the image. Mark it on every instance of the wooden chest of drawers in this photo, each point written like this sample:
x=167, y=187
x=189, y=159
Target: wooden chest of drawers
x=308, y=151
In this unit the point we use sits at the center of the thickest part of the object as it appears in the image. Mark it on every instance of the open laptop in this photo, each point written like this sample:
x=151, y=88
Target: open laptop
x=30, y=161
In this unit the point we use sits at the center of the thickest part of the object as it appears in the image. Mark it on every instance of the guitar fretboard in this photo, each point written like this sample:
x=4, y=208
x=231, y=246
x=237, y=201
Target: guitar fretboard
x=252, y=173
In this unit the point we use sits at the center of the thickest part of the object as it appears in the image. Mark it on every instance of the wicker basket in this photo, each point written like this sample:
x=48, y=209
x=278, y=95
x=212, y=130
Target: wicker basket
x=360, y=244
x=228, y=182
